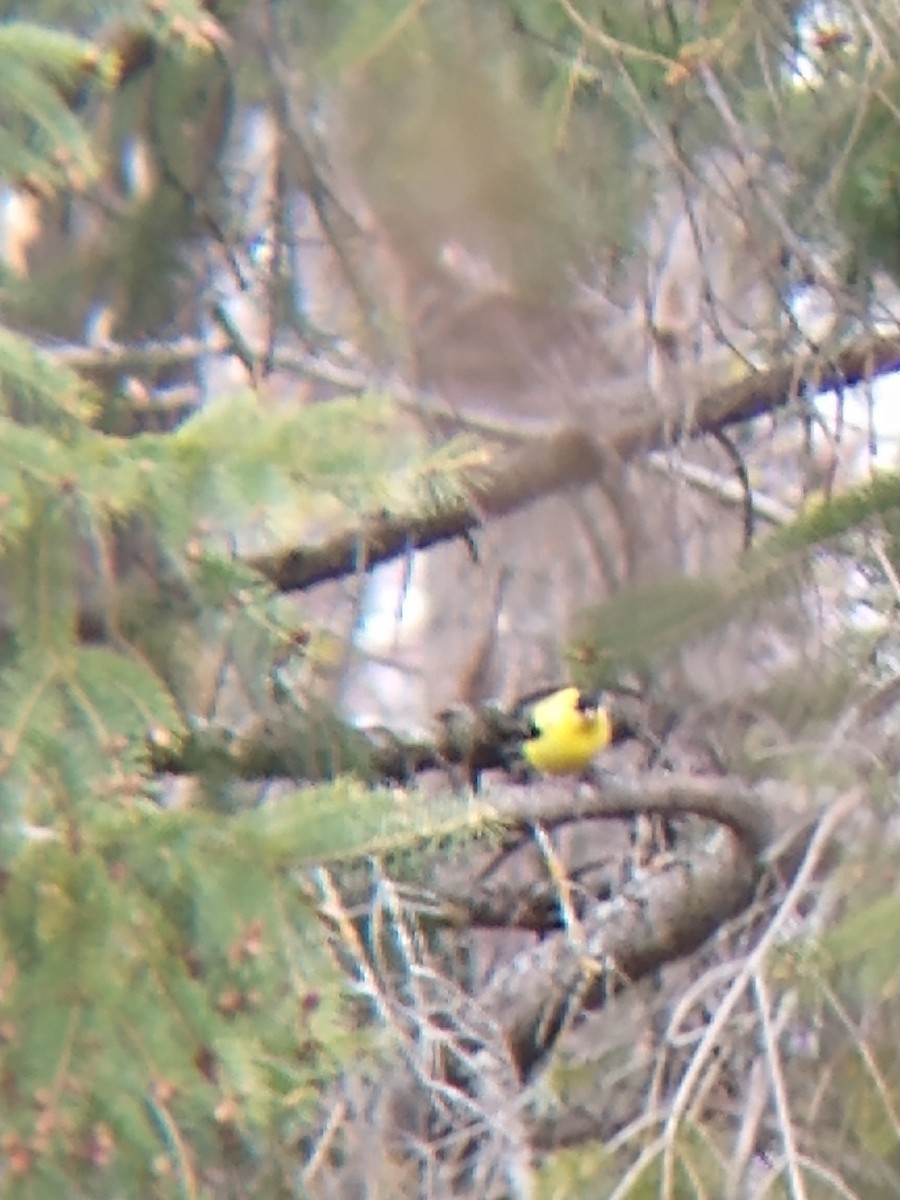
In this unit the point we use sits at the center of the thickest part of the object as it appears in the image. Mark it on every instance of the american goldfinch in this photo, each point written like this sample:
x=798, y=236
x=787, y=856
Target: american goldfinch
x=570, y=728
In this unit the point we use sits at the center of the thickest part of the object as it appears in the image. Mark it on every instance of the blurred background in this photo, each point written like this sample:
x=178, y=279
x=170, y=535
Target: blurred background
x=613, y=290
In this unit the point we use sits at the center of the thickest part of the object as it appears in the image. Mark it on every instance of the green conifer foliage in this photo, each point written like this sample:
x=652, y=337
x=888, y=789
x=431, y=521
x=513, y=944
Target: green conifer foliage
x=169, y=1014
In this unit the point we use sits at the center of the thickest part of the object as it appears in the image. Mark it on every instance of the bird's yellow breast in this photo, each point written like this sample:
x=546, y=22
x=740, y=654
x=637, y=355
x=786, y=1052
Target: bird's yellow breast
x=568, y=736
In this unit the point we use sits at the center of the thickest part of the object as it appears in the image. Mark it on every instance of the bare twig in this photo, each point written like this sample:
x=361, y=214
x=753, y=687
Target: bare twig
x=712, y=1036
x=779, y=1088
x=117, y=358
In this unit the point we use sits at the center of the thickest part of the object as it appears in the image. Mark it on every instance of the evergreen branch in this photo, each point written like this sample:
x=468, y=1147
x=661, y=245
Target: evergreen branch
x=316, y=745
x=567, y=458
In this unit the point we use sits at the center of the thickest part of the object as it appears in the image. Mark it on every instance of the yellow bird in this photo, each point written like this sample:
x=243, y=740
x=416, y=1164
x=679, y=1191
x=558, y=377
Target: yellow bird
x=570, y=729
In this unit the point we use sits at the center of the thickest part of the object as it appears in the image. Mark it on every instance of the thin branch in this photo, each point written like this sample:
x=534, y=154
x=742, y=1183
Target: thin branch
x=825, y=829
x=140, y=356
x=740, y=470
x=118, y=358
x=728, y=491
x=778, y=1084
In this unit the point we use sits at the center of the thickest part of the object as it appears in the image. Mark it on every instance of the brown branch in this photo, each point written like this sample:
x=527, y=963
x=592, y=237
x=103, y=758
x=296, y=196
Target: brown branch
x=802, y=854
x=568, y=458
x=538, y=469
x=537, y=908
x=663, y=916
x=729, y=803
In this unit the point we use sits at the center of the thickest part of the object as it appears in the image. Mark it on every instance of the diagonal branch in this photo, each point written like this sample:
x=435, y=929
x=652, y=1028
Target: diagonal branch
x=568, y=458
x=665, y=914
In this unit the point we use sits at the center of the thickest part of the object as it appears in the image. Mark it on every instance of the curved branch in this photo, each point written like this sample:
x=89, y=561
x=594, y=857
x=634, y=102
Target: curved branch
x=801, y=855
x=728, y=802
x=664, y=915
x=743, y=475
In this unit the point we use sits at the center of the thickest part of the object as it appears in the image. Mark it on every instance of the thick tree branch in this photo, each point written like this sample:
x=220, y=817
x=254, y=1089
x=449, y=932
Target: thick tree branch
x=662, y=916
x=728, y=802
x=800, y=856
x=568, y=458
x=537, y=907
